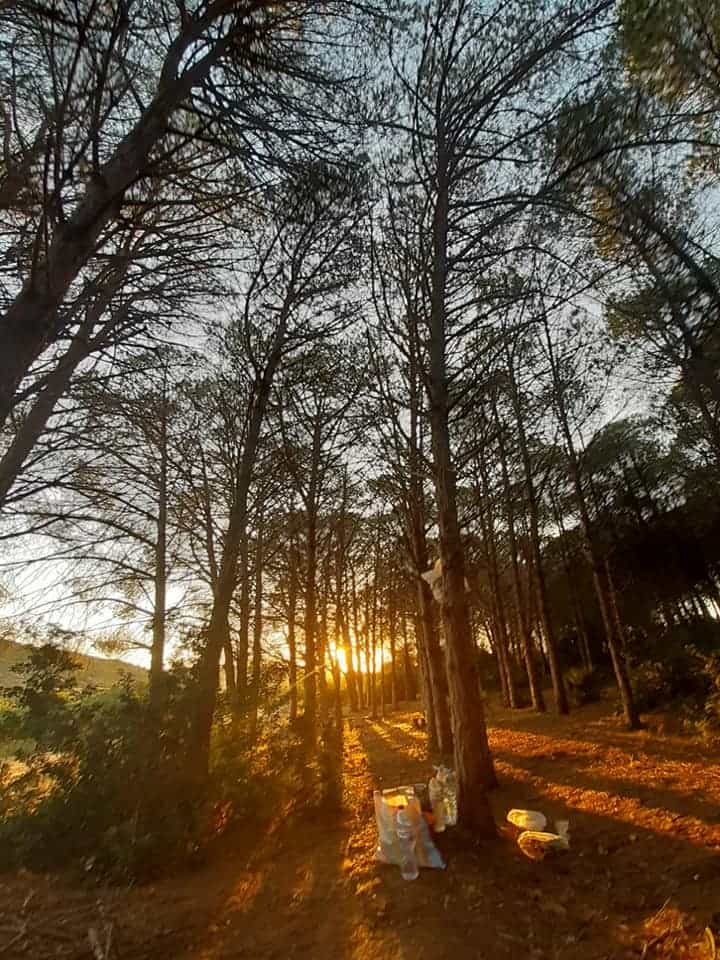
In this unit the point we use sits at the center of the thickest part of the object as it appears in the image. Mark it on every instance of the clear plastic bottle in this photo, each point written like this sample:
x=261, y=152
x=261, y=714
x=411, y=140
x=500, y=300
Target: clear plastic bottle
x=450, y=798
x=406, y=839
x=436, y=791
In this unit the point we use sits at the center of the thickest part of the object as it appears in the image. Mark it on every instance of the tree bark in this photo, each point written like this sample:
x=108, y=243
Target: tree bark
x=310, y=676
x=473, y=763
x=544, y=616
x=29, y=322
x=578, y=616
x=209, y=662
x=293, y=586
x=427, y=694
x=409, y=678
x=536, y=694
x=430, y=653
x=342, y=627
x=257, y=621
x=322, y=644
x=487, y=525
x=157, y=653
x=362, y=701
x=243, y=651
x=434, y=658
x=392, y=630
x=83, y=344
x=601, y=589
x=370, y=643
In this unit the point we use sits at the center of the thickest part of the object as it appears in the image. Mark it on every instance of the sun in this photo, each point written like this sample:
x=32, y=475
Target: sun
x=339, y=655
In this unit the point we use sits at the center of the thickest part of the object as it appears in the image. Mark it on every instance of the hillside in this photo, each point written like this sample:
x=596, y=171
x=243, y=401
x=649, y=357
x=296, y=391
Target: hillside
x=96, y=670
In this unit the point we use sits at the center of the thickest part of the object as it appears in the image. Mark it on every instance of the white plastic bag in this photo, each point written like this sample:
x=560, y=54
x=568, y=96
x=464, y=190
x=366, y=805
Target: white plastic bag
x=527, y=819
x=387, y=803
x=537, y=844
x=433, y=578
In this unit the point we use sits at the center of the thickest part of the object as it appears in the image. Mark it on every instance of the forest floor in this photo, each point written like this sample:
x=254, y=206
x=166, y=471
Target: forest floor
x=642, y=878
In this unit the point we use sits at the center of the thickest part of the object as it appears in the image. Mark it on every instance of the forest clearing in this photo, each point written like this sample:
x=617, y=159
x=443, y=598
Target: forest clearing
x=359, y=473
x=642, y=877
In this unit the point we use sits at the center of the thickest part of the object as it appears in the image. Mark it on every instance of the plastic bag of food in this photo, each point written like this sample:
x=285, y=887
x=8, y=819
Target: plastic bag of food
x=527, y=819
x=537, y=844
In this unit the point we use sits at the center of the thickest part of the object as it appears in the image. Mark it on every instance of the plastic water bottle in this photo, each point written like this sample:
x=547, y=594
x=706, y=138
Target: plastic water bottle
x=406, y=840
x=436, y=791
x=450, y=798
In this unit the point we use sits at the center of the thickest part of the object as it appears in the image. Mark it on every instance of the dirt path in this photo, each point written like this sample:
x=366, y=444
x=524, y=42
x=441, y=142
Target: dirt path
x=642, y=878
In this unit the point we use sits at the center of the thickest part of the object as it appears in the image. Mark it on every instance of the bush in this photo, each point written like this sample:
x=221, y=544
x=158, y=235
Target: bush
x=101, y=785
x=710, y=723
x=686, y=677
x=40, y=706
x=699, y=635
x=522, y=689
x=583, y=685
x=106, y=782
x=679, y=675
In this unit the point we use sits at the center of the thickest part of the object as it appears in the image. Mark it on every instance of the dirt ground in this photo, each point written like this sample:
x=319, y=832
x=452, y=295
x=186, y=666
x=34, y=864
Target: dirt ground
x=642, y=878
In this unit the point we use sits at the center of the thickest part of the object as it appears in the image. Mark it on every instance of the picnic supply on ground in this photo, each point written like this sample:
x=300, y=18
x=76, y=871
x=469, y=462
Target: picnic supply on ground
x=405, y=828
x=387, y=805
x=437, y=803
x=448, y=781
x=537, y=844
x=527, y=819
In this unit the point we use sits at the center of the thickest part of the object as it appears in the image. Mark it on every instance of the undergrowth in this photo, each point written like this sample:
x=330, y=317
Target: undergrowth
x=103, y=783
x=687, y=680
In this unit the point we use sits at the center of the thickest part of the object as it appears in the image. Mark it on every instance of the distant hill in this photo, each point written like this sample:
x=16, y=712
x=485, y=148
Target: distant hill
x=95, y=670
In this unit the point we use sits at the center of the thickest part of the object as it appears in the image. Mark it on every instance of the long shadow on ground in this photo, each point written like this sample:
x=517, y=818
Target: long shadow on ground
x=601, y=900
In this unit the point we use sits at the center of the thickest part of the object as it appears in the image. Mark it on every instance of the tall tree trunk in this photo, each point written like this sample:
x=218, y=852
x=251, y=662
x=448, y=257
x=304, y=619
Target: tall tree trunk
x=229, y=671
x=354, y=692
x=473, y=763
x=381, y=648
x=293, y=586
x=427, y=694
x=490, y=627
x=536, y=694
x=430, y=654
x=322, y=644
x=337, y=695
x=362, y=701
x=408, y=670
x=342, y=627
x=601, y=588
x=392, y=631
x=209, y=662
x=30, y=320
x=578, y=616
x=311, y=626
x=243, y=650
x=614, y=606
x=157, y=653
x=487, y=526
x=544, y=616
x=83, y=344
x=370, y=627
x=257, y=621
x=434, y=657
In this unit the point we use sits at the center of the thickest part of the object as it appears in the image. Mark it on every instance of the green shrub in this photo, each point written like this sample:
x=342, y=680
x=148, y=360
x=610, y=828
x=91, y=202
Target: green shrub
x=41, y=705
x=111, y=792
x=685, y=677
x=583, y=685
x=106, y=783
x=711, y=713
x=679, y=675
